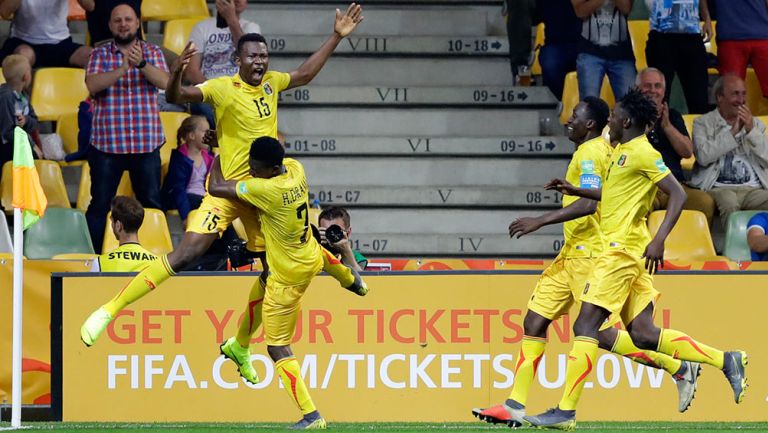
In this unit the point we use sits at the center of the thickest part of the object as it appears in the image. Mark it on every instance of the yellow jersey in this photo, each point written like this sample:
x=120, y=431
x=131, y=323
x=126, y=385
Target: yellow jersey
x=628, y=193
x=243, y=113
x=293, y=254
x=129, y=257
x=587, y=168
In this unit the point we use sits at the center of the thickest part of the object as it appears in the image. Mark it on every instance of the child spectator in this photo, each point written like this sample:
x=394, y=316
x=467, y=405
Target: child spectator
x=15, y=109
x=184, y=186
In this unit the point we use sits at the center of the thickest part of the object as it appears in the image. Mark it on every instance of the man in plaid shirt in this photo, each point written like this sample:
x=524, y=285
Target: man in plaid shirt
x=124, y=76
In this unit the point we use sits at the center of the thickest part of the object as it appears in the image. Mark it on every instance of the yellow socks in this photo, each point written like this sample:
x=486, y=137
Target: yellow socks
x=581, y=361
x=680, y=345
x=525, y=368
x=252, y=318
x=147, y=280
x=290, y=374
x=625, y=347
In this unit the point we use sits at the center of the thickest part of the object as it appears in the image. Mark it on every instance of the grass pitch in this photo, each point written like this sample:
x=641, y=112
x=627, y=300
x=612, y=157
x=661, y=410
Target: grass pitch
x=591, y=427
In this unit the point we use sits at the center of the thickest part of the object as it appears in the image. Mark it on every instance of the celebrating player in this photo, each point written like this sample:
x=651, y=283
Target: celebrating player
x=620, y=281
x=279, y=191
x=563, y=281
x=246, y=108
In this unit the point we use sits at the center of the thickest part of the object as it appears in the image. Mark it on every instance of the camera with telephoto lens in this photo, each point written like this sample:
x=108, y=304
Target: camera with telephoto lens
x=334, y=234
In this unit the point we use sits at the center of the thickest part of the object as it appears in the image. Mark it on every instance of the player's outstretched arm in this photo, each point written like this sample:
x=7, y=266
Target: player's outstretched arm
x=565, y=187
x=345, y=23
x=174, y=91
x=220, y=187
x=579, y=208
x=654, y=252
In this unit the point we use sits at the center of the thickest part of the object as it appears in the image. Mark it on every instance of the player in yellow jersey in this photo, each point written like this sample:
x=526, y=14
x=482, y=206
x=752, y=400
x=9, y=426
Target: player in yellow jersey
x=246, y=108
x=280, y=192
x=126, y=217
x=562, y=282
x=621, y=281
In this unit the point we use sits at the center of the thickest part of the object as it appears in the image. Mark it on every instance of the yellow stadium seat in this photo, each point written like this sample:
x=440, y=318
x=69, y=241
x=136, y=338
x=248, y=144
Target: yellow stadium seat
x=536, y=67
x=50, y=179
x=2, y=77
x=755, y=99
x=75, y=256
x=688, y=163
x=764, y=119
x=66, y=127
x=171, y=122
x=56, y=91
x=166, y=10
x=84, y=188
x=177, y=33
x=690, y=238
x=153, y=234
x=638, y=33
x=571, y=95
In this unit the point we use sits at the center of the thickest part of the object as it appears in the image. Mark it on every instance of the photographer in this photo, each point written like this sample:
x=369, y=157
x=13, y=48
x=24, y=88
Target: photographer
x=337, y=239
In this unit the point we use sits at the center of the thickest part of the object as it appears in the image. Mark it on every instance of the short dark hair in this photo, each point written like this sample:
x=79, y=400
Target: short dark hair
x=268, y=151
x=598, y=111
x=250, y=37
x=333, y=213
x=640, y=109
x=129, y=212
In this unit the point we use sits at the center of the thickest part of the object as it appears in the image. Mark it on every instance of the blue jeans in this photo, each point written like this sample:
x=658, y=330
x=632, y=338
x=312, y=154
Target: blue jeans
x=556, y=61
x=106, y=171
x=591, y=70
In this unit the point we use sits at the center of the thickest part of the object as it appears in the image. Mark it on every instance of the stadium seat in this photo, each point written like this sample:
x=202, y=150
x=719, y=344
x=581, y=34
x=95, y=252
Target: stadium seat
x=2, y=77
x=59, y=231
x=66, y=127
x=153, y=234
x=171, y=122
x=76, y=12
x=755, y=99
x=736, y=247
x=536, y=67
x=177, y=33
x=50, y=179
x=638, y=33
x=75, y=256
x=690, y=238
x=84, y=188
x=571, y=95
x=688, y=163
x=6, y=244
x=166, y=10
x=56, y=91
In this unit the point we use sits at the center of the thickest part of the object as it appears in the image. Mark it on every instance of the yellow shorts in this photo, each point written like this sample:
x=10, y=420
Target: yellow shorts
x=215, y=214
x=620, y=284
x=281, y=308
x=560, y=286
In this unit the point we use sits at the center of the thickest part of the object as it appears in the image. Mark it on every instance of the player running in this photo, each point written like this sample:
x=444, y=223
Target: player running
x=563, y=281
x=620, y=281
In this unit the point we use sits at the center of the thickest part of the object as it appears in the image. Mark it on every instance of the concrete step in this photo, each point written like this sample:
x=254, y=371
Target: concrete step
x=404, y=122
x=518, y=97
x=456, y=244
x=404, y=71
x=440, y=196
x=436, y=172
x=500, y=146
x=389, y=44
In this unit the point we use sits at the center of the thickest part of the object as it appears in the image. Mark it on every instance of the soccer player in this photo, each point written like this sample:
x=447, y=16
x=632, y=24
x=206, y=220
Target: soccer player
x=279, y=191
x=126, y=217
x=620, y=281
x=246, y=108
x=563, y=281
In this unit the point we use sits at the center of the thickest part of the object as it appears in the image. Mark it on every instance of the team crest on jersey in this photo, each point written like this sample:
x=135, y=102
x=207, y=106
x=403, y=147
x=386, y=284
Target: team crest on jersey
x=267, y=89
x=622, y=160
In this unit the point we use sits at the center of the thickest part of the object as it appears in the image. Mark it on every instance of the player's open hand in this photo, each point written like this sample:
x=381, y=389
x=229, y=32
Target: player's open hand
x=523, y=226
x=347, y=22
x=562, y=186
x=654, y=256
x=182, y=61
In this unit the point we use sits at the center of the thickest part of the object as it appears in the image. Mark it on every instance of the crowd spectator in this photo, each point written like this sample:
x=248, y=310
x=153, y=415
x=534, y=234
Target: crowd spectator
x=216, y=39
x=676, y=46
x=184, y=185
x=561, y=42
x=670, y=137
x=126, y=218
x=742, y=38
x=339, y=216
x=15, y=109
x=124, y=76
x=97, y=14
x=757, y=237
x=604, y=47
x=731, y=152
x=39, y=32
x=518, y=15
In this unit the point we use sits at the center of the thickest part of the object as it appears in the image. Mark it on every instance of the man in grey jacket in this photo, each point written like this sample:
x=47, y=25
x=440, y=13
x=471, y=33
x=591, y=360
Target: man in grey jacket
x=731, y=152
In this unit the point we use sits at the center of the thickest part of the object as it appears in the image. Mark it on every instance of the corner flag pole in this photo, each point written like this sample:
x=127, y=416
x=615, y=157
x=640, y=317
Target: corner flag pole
x=18, y=279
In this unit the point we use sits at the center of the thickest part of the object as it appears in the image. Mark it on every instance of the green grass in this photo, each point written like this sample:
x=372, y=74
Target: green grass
x=592, y=427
